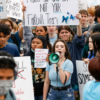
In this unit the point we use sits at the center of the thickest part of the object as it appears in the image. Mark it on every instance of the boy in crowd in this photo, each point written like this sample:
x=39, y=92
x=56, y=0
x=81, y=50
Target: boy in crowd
x=52, y=34
x=83, y=22
x=16, y=37
x=91, y=20
x=4, y=32
x=7, y=76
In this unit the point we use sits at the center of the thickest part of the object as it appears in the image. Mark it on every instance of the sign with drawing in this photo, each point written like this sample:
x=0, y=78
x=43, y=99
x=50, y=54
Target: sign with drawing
x=51, y=12
x=23, y=85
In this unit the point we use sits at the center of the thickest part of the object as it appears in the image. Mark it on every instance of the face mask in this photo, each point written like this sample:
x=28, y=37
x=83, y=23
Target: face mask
x=11, y=32
x=32, y=50
x=33, y=28
x=5, y=86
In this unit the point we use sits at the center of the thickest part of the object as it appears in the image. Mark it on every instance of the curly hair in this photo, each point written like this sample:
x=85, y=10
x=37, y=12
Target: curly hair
x=83, y=12
x=5, y=29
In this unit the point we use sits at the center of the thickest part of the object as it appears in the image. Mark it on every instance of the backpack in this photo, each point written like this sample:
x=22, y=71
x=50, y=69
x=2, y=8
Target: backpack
x=15, y=41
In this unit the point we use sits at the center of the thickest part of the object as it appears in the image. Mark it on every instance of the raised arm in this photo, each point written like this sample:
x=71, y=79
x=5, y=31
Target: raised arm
x=27, y=32
x=21, y=32
x=79, y=30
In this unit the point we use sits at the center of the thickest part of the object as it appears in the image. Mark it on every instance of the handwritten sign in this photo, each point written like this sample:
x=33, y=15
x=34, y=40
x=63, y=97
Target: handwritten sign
x=93, y=2
x=51, y=12
x=14, y=9
x=83, y=76
x=23, y=85
x=3, y=9
x=40, y=58
x=82, y=4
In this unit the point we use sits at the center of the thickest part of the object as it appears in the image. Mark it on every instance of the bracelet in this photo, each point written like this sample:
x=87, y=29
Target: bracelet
x=59, y=68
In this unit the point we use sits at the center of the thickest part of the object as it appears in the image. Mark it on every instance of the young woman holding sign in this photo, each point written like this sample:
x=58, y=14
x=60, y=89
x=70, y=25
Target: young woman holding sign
x=38, y=74
x=40, y=30
x=75, y=45
x=61, y=83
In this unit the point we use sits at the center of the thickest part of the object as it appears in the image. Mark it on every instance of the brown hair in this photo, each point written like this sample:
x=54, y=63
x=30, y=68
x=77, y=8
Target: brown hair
x=68, y=29
x=91, y=10
x=94, y=67
x=96, y=42
x=5, y=20
x=97, y=13
x=67, y=54
x=83, y=12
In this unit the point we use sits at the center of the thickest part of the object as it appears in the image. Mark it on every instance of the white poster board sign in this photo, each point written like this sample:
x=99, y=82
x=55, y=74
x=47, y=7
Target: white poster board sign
x=51, y=12
x=93, y=2
x=14, y=9
x=83, y=76
x=40, y=58
x=23, y=85
x=82, y=4
x=3, y=13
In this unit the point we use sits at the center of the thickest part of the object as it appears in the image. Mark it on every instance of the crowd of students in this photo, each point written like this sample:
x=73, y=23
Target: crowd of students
x=81, y=42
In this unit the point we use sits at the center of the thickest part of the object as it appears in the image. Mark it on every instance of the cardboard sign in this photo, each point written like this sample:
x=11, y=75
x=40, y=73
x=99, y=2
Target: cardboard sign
x=23, y=85
x=82, y=4
x=51, y=12
x=3, y=13
x=83, y=76
x=14, y=9
x=93, y=2
x=40, y=58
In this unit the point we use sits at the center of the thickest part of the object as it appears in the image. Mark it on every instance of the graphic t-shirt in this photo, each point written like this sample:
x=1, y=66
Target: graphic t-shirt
x=38, y=76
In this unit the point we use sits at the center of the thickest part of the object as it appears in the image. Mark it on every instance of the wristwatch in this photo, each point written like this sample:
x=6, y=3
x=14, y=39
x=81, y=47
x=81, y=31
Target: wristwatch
x=60, y=68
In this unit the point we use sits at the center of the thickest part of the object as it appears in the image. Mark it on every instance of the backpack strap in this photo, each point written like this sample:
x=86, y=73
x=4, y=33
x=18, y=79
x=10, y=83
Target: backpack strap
x=11, y=93
x=15, y=41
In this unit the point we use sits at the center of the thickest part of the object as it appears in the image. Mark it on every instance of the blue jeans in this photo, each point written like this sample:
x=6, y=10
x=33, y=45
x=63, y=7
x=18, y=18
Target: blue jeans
x=61, y=95
x=39, y=97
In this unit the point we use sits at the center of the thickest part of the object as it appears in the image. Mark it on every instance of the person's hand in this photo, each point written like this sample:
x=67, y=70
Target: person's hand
x=86, y=61
x=85, y=32
x=23, y=8
x=59, y=63
x=22, y=3
x=78, y=16
x=21, y=54
x=47, y=58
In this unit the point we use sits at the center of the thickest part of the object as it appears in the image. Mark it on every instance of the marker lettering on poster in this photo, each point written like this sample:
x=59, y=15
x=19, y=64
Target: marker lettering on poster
x=83, y=76
x=40, y=58
x=13, y=9
x=3, y=13
x=22, y=86
x=50, y=12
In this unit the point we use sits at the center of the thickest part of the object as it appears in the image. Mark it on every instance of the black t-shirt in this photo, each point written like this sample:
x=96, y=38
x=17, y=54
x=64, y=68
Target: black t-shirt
x=38, y=76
